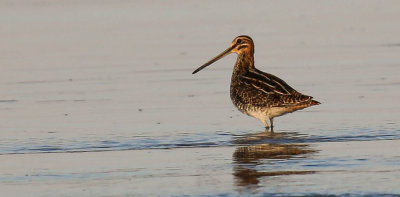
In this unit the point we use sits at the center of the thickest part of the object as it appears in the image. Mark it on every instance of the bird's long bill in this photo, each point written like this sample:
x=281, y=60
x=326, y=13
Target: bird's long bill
x=221, y=55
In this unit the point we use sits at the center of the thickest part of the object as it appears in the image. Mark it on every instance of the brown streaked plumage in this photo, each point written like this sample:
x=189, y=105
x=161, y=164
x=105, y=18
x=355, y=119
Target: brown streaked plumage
x=256, y=93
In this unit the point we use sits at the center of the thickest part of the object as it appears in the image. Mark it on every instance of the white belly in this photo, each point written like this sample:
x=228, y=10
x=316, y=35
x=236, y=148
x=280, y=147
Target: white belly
x=261, y=115
x=266, y=114
x=276, y=111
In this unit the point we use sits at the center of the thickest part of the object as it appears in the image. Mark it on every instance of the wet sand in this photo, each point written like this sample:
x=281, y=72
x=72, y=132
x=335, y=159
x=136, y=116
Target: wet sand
x=98, y=99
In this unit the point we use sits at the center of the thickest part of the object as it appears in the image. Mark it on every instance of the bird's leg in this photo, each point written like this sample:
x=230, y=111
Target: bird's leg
x=266, y=125
x=272, y=124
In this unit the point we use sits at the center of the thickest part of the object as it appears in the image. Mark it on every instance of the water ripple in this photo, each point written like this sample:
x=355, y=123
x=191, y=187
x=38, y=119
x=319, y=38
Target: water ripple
x=187, y=140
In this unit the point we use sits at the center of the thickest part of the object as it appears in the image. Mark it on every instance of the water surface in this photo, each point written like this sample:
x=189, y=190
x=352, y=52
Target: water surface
x=98, y=99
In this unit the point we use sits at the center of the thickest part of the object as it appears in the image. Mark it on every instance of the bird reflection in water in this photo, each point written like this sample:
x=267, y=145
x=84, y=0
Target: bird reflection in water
x=248, y=159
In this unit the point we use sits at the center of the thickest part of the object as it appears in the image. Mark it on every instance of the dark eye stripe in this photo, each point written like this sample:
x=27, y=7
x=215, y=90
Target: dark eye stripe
x=241, y=47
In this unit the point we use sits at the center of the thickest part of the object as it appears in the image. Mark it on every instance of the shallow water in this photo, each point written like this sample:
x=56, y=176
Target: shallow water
x=98, y=99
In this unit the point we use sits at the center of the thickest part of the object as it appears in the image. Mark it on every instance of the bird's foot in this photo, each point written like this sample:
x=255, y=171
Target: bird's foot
x=269, y=129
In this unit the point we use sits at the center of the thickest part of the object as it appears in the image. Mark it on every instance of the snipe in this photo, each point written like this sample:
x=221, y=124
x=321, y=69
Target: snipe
x=256, y=93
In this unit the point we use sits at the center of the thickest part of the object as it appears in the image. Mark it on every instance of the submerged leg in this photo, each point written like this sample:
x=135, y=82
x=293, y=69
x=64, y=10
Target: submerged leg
x=266, y=125
x=272, y=124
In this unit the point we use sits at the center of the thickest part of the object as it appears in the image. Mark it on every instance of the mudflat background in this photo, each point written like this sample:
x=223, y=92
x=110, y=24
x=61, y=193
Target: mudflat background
x=97, y=99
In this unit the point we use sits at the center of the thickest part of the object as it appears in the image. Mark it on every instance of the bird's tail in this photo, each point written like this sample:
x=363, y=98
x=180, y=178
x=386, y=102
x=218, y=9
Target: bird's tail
x=301, y=105
x=314, y=102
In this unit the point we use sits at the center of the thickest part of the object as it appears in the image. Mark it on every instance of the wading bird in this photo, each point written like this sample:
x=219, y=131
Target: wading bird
x=256, y=93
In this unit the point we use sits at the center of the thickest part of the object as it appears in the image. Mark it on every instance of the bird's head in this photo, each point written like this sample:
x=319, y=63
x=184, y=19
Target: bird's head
x=241, y=44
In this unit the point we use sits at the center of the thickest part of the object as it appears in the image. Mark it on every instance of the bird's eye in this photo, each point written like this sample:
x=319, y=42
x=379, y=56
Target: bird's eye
x=239, y=41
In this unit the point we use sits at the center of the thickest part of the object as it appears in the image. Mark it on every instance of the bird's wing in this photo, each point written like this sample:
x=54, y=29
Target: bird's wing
x=264, y=89
x=267, y=82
